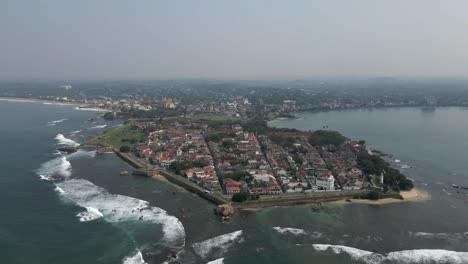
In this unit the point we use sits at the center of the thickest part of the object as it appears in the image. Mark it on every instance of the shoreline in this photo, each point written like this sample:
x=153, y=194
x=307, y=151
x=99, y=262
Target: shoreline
x=414, y=195
x=79, y=106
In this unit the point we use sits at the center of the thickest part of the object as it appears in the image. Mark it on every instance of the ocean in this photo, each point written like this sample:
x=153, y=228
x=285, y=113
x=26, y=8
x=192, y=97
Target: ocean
x=77, y=208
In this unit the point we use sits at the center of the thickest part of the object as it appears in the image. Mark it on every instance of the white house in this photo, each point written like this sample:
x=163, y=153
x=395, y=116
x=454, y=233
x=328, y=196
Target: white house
x=326, y=182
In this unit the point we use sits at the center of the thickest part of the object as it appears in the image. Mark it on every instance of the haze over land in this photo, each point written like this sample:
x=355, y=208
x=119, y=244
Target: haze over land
x=242, y=39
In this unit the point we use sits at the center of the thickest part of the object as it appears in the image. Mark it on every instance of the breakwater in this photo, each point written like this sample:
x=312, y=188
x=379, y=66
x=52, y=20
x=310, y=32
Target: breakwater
x=130, y=160
x=190, y=186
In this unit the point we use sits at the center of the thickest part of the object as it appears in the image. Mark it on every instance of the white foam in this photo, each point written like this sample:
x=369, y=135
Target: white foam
x=44, y=178
x=425, y=256
x=73, y=133
x=57, y=121
x=397, y=161
x=354, y=253
x=428, y=256
x=448, y=236
x=90, y=214
x=62, y=140
x=289, y=230
x=119, y=208
x=220, y=243
x=97, y=127
x=91, y=109
x=135, y=259
x=57, y=168
x=217, y=261
x=428, y=235
x=58, y=189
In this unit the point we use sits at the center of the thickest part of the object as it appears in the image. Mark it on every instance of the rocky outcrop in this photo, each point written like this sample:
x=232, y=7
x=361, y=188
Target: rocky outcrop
x=68, y=149
x=225, y=211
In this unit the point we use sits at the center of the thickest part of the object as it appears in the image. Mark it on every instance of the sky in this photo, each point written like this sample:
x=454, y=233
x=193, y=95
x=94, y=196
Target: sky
x=223, y=39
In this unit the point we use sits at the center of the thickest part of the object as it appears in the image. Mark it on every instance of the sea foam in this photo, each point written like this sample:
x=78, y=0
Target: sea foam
x=58, y=168
x=90, y=214
x=91, y=109
x=62, y=140
x=220, y=243
x=118, y=208
x=217, y=261
x=426, y=256
x=289, y=230
x=97, y=127
x=135, y=259
x=56, y=121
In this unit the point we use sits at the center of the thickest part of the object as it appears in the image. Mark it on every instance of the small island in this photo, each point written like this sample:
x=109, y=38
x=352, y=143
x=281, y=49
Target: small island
x=248, y=164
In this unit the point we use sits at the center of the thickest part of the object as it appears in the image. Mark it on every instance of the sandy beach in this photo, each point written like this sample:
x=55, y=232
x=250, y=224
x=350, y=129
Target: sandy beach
x=408, y=196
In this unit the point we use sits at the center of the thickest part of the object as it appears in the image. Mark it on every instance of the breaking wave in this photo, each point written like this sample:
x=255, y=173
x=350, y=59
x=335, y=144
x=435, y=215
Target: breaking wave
x=90, y=214
x=220, y=243
x=135, y=259
x=98, y=203
x=58, y=168
x=425, y=256
x=90, y=109
x=217, y=261
x=73, y=133
x=62, y=140
x=289, y=230
x=118, y=208
x=58, y=189
x=56, y=121
x=97, y=127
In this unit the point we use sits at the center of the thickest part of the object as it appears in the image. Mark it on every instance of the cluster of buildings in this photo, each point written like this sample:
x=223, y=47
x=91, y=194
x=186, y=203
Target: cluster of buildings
x=343, y=162
x=237, y=154
x=231, y=160
x=235, y=107
x=298, y=166
x=184, y=149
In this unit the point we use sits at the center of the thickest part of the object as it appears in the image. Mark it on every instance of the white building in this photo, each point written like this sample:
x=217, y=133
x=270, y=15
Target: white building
x=326, y=182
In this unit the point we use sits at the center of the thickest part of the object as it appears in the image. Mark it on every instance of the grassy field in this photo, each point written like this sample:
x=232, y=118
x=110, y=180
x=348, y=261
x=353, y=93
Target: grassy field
x=214, y=117
x=126, y=135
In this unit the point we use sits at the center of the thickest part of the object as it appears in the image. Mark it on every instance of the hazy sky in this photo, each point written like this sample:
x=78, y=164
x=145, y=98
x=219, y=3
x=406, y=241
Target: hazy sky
x=115, y=39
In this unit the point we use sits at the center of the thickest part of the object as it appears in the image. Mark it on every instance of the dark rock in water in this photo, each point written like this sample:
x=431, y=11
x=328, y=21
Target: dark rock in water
x=68, y=149
x=225, y=211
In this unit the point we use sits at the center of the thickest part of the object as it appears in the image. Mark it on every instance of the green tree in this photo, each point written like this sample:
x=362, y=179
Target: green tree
x=124, y=149
x=240, y=197
x=326, y=137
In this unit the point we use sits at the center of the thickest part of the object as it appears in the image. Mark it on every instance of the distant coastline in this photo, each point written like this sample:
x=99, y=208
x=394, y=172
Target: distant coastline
x=79, y=106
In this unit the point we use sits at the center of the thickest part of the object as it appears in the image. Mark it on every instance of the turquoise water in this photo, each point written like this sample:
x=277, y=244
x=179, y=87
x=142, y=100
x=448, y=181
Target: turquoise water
x=82, y=211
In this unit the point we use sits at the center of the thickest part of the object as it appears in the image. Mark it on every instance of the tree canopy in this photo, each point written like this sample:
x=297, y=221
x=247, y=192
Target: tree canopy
x=373, y=164
x=124, y=149
x=240, y=197
x=326, y=137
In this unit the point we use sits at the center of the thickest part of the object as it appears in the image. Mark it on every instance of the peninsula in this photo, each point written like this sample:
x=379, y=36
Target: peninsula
x=248, y=164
